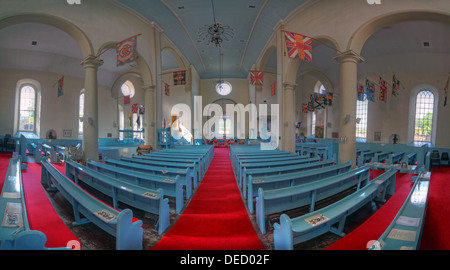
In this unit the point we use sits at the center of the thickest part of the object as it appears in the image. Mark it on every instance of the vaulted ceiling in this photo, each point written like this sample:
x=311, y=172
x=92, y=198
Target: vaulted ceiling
x=252, y=22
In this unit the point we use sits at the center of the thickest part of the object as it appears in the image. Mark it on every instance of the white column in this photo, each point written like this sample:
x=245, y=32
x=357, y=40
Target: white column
x=90, y=120
x=149, y=116
x=289, y=117
x=347, y=104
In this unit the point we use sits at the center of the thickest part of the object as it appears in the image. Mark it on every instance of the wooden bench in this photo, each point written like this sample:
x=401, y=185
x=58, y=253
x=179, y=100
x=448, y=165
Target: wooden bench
x=148, y=200
x=186, y=178
x=257, y=173
x=183, y=157
x=405, y=230
x=171, y=186
x=120, y=224
x=290, y=180
x=410, y=158
x=258, y=160
x=381, y=156
x=15, y=232
x=270, y=164
x=365, y=157
x=183, y=162
x=395, y=158
x=165, y=165
x=291, y=231
x=284, y=199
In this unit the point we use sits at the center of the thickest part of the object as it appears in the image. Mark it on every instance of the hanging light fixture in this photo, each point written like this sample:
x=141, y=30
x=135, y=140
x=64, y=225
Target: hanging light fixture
x=215, y=33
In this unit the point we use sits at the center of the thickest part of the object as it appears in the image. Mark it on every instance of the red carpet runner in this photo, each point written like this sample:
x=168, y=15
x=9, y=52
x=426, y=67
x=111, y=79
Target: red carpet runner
x=41, y=214
x=436, y=235
x=216, y=218
x=375, y=226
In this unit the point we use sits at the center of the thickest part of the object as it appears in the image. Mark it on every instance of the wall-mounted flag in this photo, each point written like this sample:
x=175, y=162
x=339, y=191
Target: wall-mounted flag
x=298, y=46
x=126, y=99
x=60, y=86
x=134, y=108
x=179, y=77
x=256, y=77
x=126, y=51
x=361, y=93
x=166, y=89
x=141, y=109
x=370, y=91
x=383, y=90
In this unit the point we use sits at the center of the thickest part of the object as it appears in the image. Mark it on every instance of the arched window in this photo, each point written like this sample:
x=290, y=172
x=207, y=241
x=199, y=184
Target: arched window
x=361, y=119
x=127, y=89
x=423, y=122
x=27, y=108
x=80, y=115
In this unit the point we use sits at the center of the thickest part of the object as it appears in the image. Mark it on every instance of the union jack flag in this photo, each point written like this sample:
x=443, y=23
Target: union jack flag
x=298, y=46
x=166, y=89
x=256, y=77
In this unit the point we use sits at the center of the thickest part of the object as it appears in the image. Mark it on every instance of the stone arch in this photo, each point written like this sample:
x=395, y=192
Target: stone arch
x=76, y=33
x=176, y=56
x=360, y=36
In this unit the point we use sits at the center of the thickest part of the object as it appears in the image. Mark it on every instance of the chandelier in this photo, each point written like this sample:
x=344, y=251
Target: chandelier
x=215, y=33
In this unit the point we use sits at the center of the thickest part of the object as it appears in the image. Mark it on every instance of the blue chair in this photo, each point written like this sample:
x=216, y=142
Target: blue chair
x=435, y=158
x=444, y=158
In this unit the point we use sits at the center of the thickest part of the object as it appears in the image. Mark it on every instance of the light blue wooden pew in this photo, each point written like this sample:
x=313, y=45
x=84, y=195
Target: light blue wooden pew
x=178, y=156
x=171, y=186
x=395, y=158
x=365, y=157
x=252, y=160
x=256, y=173
x=405, y=231
x=15, y=231
x=269, y=164
x=290, y=180
x=381, y=156
x=183, y=162
x=163, y=165
x=120, y=224
x=148, y=200
x=284, y=199
x=186, y=177
x=291, y=231
x=410, y=158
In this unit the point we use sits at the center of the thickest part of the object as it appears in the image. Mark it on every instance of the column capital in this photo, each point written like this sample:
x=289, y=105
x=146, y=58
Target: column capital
x=149, y=88
x=349, y=56
x=289, y=85
x=91, y=61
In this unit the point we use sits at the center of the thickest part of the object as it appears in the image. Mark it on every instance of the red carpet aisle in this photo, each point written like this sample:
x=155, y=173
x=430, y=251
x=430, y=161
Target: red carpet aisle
x=375, y=226
x=436, y=233
x=41, y=214
x=216, y=218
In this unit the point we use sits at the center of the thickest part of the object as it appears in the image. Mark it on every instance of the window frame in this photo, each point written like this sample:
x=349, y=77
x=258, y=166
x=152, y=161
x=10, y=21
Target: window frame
x=412, y=113
x=80, y=122
x=22, y=86
x=365, y=106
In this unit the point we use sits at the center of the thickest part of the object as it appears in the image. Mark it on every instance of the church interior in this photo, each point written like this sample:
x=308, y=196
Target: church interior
x=231, y=125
